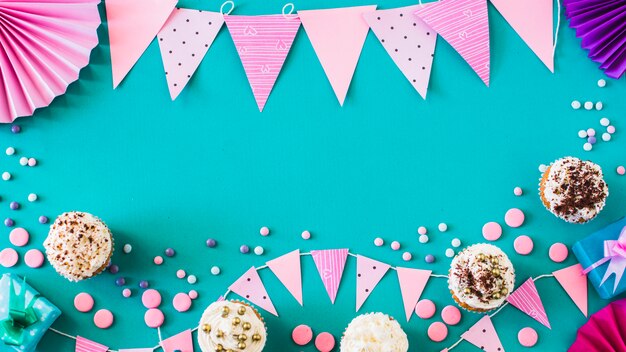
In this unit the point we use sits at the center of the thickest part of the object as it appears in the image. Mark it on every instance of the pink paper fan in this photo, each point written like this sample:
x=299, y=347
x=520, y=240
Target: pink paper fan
x=605, y=330
x=602, y=26
x=43, y=46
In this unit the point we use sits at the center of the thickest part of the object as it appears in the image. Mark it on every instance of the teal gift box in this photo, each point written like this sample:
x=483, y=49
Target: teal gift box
x=25, y=315
x=591, y=249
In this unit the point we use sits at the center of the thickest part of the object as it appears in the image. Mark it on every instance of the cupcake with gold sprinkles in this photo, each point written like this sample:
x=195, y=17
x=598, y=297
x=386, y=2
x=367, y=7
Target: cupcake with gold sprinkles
x=481, y=277
x=231, y=326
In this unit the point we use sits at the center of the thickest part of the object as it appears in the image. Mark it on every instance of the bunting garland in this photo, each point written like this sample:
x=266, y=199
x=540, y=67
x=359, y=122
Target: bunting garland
x=250, y=286
x=85, y=345
x=287, y=269
x=484, y=336
x=412, y=284
x=181, y=342
x=574, y=282
x=369, y=274
x=526, y=298
x=330, y=264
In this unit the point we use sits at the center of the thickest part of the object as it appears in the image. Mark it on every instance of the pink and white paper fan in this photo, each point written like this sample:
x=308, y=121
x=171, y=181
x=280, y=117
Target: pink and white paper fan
x=43, y=46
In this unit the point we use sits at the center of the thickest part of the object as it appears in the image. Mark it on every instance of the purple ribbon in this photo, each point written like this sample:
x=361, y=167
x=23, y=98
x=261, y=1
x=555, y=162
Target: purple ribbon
x=615, y=254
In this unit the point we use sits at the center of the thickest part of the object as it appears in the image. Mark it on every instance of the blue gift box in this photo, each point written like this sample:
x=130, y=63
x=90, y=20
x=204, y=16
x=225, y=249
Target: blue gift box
x=42, y=312
x=591, y=249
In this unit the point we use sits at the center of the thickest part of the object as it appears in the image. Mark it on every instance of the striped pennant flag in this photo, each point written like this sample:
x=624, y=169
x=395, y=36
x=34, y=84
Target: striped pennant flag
x=526, y=298
x=85, y=345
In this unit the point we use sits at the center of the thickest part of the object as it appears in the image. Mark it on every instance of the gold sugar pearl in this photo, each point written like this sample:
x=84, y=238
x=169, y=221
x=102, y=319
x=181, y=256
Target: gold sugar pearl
x=467, y=291
x=236, y=321
x=225, y=311
x=504, y=291
x=480, y=257
x=494, y=260
x=206, y=328
x=219, y=348
x=495, y=272
x=242, y=337
x=247, y=326
x=496, y=295
x=241, y=345
x=220, y=333
x=242, y=310
x=256, y=337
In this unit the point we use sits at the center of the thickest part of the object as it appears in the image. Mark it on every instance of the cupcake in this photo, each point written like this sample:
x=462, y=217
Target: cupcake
x=231, y=326
x=573, y=190
x=374, y=332
x=481, y=277
x=79, y=245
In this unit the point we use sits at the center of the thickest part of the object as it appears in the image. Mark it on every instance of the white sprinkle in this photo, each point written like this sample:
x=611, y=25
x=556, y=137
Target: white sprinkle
x=6, y=175
x=10, y=151
x=32, y=197
x=542, y=168
x=32, y=162
x=192, y=279
x=443, y=227
x=456, y=242
x=599, y=106
x=587, y=147
x=588, y=105
x=605, y=122
x=582, y=134
x=606, y=136
x=127, y=248
x=576, y=105
x=601, y=83
x=449, y=252
x=591, y=132
x=23, y=161
x=215, y=270
x=423, y=238
x=258, y=250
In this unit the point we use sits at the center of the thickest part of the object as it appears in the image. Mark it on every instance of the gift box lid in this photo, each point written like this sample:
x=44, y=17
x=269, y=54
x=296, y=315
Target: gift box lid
x=591, y=249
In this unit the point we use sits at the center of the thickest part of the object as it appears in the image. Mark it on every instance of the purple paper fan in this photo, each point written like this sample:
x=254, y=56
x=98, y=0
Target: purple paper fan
x=601, y=24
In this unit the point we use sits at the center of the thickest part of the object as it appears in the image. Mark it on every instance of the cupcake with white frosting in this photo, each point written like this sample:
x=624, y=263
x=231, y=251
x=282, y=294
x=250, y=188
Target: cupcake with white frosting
x=231, y=326
x=79, y=245
x=481, y=277
x=374, y=332
x=573, y=190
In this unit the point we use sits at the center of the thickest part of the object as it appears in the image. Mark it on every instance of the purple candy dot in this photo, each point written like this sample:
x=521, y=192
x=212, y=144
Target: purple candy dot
x=120, y=281
x=9, y=222
x=43, y=219
x=429, y=258
x=591, y=140
x=244, y=249
x=16, y=129
x=143, y=284
x=211, y=243
x=114, y=269
x=14, y=205
x=170, y=252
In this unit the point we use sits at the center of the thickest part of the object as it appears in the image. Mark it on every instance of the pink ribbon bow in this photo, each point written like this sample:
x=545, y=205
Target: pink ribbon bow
x=615, y=254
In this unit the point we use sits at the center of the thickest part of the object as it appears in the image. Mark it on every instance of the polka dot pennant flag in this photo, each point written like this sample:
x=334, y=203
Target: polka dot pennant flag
x=526, y=298
x=132, y=26
x=287, y=269
x=85, y=345
x=412, y=284
x=369, y=273
x=184, y=41
x=464, y=24
x=484, y=336
x=532, y=20
x=574, y=282
x=409, y=42
x=263, y=43
x=330, y=264
x=250, y=287
x=337, y=36
x=181, y=342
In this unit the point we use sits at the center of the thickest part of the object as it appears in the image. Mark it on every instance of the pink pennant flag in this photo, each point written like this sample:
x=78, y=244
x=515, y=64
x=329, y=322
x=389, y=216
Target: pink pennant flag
x=85, y=345
x=250, y=286
x=412, y=284
x=409, y=42
x=184, y=41
x=369, y=272
x=337, y=36
x=287, y=269
x=532, y=20
x=464, y=24
x=574, y=282
x=132, y=26
x=330, y=264
x=484, y=336
x=263, y=43
x=526, y=298
x=136, y=350
x=181, y=342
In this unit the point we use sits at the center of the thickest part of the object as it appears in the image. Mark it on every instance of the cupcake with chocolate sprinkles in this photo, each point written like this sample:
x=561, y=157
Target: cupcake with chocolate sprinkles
x=481, y=277
x=231, y=326
x=79, y=245
x=573, y=190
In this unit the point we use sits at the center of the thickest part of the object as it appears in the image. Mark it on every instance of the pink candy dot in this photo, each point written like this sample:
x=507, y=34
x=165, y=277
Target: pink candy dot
x=193, y=294
x=8, y=257
x=264, y=231
x=621, y=170
x=437, y=331
x=523, y=245
x=610, y=129
x=425, y=309
x=126, y=292
x=451, y=315
x=182, y=302
x=514, y=217
x=154, y=318
x=158, y=260
x=306, y=235
x=492, y=231
x=527, y=337
x=181, y=274
x=518, y=191
x=325, y=342
x=151, y=298
x=103, y=319
x=395, y=245
x=302, y=334
x=378, y=242
x=83, y=302
x=34, y=258
x=19, y=237
x=422, y=230
x=558, y=252
x=406, y=256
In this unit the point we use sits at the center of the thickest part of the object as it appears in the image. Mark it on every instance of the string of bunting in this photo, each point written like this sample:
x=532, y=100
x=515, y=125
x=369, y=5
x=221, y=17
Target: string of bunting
x=330, y=264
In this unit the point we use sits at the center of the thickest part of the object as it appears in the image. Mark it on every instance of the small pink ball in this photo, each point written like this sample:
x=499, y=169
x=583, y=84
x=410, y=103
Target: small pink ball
x=32, y=162
x=264, y=231
x=306, y=235
x=422, y=230
x=610, y=129
x=395, y=245
x=181, y=273
x=126, y=292
x=158, y=260
x=406, y=256
x=518, y=191
x=621, y=170
x=193, y=294
x=378, y=242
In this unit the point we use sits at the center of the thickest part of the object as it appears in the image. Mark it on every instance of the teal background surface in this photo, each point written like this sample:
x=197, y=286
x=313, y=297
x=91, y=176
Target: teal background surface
x=172, y=174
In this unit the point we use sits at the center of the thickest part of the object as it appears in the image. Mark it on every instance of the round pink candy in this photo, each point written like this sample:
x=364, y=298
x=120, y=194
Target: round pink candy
x=182, y=302
x=193, y=294
x=34, y=258
x=126, y=292
x=422, y=230
x=264, y=231
x=325, y=342
x=523, y=245
x=514, y=217
x=610, y=129
x=437, y=331
x=406, y=256
x=181, y=274
x=558, y=252
x=378, y=242
x=103, y=319
x=19, y=237
x=621, y=170
x=518, y=191
x=154, y=318
x=395, y=245
x=83, y=302
x=527, y=337
x=425, y=309
x=492, y=231
x=151, y=298
x=158, y=260
x=306, y=235
x=451, y=315
x=302, y=334
x=8, y=257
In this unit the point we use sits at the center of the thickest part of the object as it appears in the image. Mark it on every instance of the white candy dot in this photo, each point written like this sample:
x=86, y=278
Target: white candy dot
x=258, y=250
x=6, y=175
x=10, y=151
x=423, y=238
x=449, y=252
x=582, y=134
x=443, y=227
x=599, y=106
x=32, y=197
x=605, y=122
x=32, y=162
x=456, y=242
x=576, y=105
x=215, y=270
x=601, y=83
x=23, y=161
x=542, y=168
x=587, y=147
x=192, y=279
x=606, y=136
x=127, y=248
x=591, y=132
x=588, y=105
